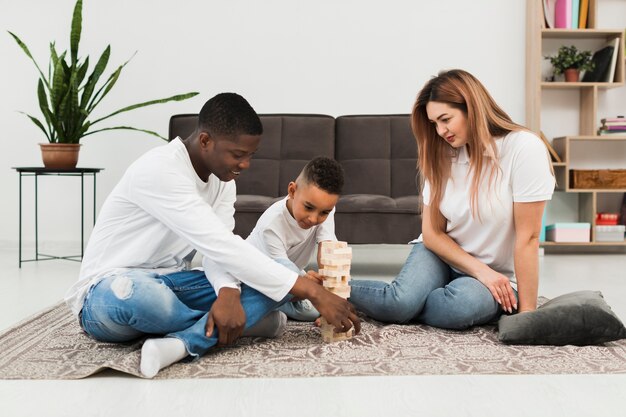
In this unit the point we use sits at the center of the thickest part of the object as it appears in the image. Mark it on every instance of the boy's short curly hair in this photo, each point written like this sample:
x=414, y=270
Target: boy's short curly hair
x=325, y=173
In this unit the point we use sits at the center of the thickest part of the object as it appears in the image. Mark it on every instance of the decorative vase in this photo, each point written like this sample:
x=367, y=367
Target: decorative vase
x=571, y=75
x=59, y=155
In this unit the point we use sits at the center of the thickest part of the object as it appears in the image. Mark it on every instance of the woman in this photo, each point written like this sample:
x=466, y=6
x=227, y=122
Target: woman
x=485, y=185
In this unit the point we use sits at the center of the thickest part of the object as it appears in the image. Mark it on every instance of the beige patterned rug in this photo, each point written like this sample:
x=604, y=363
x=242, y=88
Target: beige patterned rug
x=51, y=345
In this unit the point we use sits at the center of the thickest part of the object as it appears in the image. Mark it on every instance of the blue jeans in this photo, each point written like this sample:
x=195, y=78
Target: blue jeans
x=429, y=291
x=137, y=303
x=302, y=310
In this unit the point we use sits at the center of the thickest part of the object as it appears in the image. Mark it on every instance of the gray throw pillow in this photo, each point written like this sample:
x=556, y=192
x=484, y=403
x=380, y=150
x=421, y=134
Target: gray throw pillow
x=579, y=318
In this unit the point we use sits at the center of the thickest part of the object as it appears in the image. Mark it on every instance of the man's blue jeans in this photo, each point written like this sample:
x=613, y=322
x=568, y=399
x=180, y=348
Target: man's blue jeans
x=133, y=304
x=429, y=291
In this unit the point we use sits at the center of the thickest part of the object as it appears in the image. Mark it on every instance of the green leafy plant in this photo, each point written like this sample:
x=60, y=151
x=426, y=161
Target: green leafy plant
x=67, y=96
x=570, y=57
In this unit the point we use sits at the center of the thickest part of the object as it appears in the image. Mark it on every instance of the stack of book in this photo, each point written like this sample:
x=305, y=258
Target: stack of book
x=613, y=126
x=566, y=14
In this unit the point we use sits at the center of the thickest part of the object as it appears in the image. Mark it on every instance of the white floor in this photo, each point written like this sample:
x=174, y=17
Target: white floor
x=39, y=284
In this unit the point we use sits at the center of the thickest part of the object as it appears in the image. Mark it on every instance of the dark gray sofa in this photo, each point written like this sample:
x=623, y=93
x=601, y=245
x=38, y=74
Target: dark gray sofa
x=380, y=202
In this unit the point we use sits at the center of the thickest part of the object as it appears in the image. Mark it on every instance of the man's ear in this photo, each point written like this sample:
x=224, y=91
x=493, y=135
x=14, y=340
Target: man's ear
x=291, y=189
x=205, y=140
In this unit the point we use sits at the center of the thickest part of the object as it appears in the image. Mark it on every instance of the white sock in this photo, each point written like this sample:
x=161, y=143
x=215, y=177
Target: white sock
x=272, y=325
x=157, y=354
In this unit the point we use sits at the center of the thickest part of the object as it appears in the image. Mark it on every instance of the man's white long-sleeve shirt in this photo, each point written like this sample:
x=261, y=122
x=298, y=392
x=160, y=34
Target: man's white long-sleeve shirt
x=158, y=213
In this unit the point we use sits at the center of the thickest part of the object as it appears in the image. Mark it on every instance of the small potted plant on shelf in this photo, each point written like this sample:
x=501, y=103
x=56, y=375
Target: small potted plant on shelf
x=570, y=62
x=68, y=95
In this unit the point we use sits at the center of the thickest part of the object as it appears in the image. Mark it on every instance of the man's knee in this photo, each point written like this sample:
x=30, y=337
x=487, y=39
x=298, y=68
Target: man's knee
x=122, y=287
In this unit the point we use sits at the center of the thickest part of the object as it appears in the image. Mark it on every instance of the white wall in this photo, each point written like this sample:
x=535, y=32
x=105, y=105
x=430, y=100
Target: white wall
x=332, y=57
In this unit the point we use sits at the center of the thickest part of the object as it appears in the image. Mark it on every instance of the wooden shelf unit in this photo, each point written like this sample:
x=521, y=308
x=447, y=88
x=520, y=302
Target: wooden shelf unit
x=588, y=108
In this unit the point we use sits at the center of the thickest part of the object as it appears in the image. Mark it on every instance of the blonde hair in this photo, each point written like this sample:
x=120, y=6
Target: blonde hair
x=485, y=122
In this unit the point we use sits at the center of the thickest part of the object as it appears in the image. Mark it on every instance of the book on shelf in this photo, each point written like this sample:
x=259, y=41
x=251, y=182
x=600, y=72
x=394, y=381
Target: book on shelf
x=563, y=14
x=610, y=75
x=555, y=156
x=584, y=12
x=618, y=119
x=548, y=13
x=605, y=132
x=575, y=10
x=604, y=59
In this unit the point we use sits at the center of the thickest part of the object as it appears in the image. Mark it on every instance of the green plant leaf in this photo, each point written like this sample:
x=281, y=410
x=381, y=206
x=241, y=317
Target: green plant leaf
x=107, y=86
x=82, y=71
x=93, y=78
x=38, y=123
x=57, y=90
x=77, y=25
x=178, y=97
x=27, y=52
x=126, y=128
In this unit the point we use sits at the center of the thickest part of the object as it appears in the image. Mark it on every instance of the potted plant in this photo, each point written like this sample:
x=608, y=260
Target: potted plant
x=68, y=95
x=570, y=61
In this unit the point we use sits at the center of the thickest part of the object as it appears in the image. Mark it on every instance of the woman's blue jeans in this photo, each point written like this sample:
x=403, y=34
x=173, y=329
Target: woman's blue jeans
x=133, y=304
x=429, y=291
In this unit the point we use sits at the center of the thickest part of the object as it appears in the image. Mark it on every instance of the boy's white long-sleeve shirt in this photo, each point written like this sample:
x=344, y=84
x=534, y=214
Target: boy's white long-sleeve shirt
x=278, y=235
x=158, y=213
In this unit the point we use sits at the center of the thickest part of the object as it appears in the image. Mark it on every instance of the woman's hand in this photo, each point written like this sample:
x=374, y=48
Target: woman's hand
x=500, y=287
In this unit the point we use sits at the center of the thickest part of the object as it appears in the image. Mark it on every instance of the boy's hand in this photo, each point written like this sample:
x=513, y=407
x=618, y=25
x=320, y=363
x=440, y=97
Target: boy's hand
x=228, y=315
x=314, y=276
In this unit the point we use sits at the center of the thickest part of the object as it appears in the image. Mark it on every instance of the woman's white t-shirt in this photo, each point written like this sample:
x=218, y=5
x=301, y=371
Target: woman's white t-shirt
x=524, y=176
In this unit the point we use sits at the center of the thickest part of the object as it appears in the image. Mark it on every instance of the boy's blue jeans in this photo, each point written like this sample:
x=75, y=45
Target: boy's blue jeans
x=429, y=291
x=127, y=306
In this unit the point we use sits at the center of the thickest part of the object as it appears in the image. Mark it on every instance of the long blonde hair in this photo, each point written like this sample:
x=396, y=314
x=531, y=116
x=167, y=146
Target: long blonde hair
x=485, y=122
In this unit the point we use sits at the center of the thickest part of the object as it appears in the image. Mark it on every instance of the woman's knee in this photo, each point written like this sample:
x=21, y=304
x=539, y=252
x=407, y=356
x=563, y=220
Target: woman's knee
x=460, y=305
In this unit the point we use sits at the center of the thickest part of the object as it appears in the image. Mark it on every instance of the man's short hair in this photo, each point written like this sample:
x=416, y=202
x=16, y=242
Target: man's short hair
x=325, y=173
x=229, y=114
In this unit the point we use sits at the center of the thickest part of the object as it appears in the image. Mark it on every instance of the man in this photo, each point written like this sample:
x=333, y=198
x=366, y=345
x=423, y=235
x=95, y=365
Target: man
x=173, y=200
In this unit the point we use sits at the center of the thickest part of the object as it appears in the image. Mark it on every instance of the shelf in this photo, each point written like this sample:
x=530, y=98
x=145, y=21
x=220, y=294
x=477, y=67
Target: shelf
x=607, y=138
x=582, y=204
x=561, y=85
x=580, y=33
x=583, y=243
x=596, y=190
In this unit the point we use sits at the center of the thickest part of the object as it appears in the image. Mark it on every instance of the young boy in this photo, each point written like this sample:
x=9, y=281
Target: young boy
x=290, y=229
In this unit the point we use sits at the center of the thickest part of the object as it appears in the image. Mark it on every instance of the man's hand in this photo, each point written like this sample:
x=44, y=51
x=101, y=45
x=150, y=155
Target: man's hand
x=336, y=310
x=227, y=315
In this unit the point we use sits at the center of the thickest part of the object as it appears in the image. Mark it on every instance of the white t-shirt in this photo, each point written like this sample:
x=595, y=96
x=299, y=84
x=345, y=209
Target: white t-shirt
x=278, y=235
x=158, y=213
x=524, y=176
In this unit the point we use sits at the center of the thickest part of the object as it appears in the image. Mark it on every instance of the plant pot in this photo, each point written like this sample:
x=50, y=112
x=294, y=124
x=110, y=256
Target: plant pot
x=571, y=75
x=59, y=155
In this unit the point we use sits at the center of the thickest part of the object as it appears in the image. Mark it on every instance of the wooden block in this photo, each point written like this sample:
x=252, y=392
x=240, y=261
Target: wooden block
x=329, y=335
x=336, y=282
x=334, y=273
x=328, y=261
x=341, y=252
x=334, y=245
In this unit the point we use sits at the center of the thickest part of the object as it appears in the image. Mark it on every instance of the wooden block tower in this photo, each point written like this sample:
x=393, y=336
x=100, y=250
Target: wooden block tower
x=335, y=260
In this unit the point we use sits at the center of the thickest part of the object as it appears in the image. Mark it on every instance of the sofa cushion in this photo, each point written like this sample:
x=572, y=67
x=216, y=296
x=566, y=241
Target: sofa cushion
x=367, y=203
x=378, y=154
x=254, y=203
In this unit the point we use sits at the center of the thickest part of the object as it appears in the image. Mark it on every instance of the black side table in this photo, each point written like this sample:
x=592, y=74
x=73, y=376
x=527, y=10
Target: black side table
x=71, y=172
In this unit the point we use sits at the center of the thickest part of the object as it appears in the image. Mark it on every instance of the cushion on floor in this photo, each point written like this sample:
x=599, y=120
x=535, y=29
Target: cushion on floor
x=579, y=318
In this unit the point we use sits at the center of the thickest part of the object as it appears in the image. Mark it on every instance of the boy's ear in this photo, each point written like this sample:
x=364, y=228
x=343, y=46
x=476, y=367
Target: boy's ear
x=291, y=188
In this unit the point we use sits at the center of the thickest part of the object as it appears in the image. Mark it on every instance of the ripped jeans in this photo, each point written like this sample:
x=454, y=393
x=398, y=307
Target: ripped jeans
x=137, y=303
